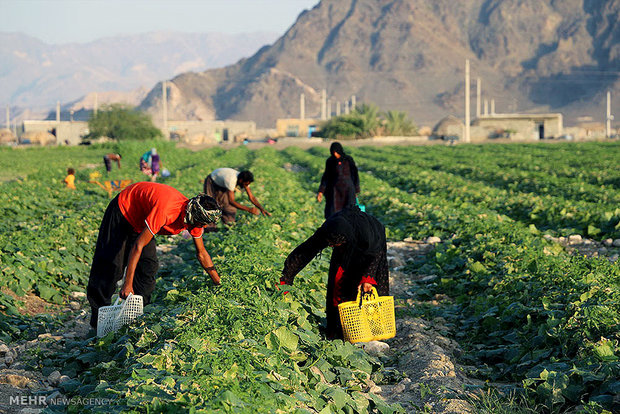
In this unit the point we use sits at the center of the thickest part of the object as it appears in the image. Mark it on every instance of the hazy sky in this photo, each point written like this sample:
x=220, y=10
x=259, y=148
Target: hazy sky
x=64, y=21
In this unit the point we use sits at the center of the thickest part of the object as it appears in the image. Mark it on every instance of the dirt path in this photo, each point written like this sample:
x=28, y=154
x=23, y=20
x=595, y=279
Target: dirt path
x=421, y=350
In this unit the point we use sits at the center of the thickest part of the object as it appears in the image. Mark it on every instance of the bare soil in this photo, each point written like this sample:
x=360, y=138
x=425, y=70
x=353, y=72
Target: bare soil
x=23, y=389
x=588, y=247
x=32, y=304
x=434, y=382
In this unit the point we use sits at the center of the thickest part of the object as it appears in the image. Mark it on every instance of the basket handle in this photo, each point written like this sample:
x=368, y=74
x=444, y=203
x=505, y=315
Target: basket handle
x=366, y=296
x=123, y=305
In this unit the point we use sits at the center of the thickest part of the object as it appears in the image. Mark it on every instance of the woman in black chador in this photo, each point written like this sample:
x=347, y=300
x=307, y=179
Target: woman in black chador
x=340, y=182
x=358, y=260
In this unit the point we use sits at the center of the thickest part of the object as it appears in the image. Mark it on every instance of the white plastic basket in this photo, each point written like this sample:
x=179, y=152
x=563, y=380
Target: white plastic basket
x=112, y=317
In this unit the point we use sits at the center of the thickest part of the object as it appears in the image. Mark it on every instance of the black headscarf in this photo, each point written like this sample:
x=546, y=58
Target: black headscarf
x=336, y=147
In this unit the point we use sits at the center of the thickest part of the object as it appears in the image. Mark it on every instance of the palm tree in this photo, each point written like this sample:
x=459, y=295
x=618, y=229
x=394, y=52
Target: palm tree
x=398, y=123
x=369, y=113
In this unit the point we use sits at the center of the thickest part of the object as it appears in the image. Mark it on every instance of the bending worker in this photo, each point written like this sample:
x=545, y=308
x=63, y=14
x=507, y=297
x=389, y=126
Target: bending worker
x=108, y=158
x=359, y=260
x=221, y=185
x=127, y=239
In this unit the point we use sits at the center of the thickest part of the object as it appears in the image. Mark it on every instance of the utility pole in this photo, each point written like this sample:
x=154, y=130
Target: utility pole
x=164, y=105
x=323, y=104
x=57, y=128
x=302, y=106
x=609, y=116
x=478, y=93
x=466, y=138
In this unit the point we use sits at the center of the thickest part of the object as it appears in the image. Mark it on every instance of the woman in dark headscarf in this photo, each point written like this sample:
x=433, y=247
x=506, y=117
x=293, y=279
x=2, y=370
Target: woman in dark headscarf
x=340, y=181
x=359, y=260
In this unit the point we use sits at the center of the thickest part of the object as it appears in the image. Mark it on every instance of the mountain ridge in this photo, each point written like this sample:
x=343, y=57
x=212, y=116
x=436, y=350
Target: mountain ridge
x=36, y=74
x=549, y=55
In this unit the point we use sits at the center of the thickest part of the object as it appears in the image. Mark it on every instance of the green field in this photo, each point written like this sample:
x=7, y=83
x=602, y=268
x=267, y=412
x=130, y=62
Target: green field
x=524, y=310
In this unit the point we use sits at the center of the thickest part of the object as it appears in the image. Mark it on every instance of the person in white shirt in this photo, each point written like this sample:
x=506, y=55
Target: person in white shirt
x=221, y=185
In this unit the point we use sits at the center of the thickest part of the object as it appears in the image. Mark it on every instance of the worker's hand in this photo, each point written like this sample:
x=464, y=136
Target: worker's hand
x=255, y=211
x=215, y=277
x=126, y=290
x=366, y=287
x=319, y=197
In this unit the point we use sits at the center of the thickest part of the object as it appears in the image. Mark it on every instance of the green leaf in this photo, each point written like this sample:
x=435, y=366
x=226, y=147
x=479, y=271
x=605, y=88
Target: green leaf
x=198, y=344
x=477, y=267
x=605, y=351
x=46, y=292
x=231, y=399
x=272, y=341
x=287, y=338
x=169, y=382
x=339, y=397
x=593, y=231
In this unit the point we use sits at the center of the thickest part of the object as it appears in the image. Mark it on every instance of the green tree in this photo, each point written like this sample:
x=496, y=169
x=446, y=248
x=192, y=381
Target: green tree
x=122, y=122
x=343, y=127
x=367, y=120
x=398, y=123
x=369, y=114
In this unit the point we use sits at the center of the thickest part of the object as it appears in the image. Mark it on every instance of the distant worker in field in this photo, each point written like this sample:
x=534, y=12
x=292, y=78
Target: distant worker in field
x=70, y=178
x=221, y=185
x=340, y=181
x=359, y=260
x=155, y=164
x=127, y=239
x=108, y=158
x=145, y=163
x=150, y=163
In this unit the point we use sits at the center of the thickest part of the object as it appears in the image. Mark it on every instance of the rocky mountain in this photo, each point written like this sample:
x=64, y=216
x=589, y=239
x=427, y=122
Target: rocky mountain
x=36, y=74
x=531, y=56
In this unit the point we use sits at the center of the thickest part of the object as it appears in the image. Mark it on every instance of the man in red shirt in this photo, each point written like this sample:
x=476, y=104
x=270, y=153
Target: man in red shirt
x=126, y=239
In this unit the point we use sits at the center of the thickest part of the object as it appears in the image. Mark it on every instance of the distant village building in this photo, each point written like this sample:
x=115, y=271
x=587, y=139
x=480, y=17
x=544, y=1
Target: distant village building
x=449, y=128
x=53, y=132
x=191, y=132
x=514, y=126
x=210, y=132
x=590, y=129
x=518, y=126
x=7, y=136
x=295, y=127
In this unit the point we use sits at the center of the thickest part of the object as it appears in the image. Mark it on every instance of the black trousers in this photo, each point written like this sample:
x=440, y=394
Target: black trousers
x=108, y=163
x=116, y=237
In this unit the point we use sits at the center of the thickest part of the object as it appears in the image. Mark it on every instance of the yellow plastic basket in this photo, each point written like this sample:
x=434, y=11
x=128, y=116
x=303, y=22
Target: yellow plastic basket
x=369, y=318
